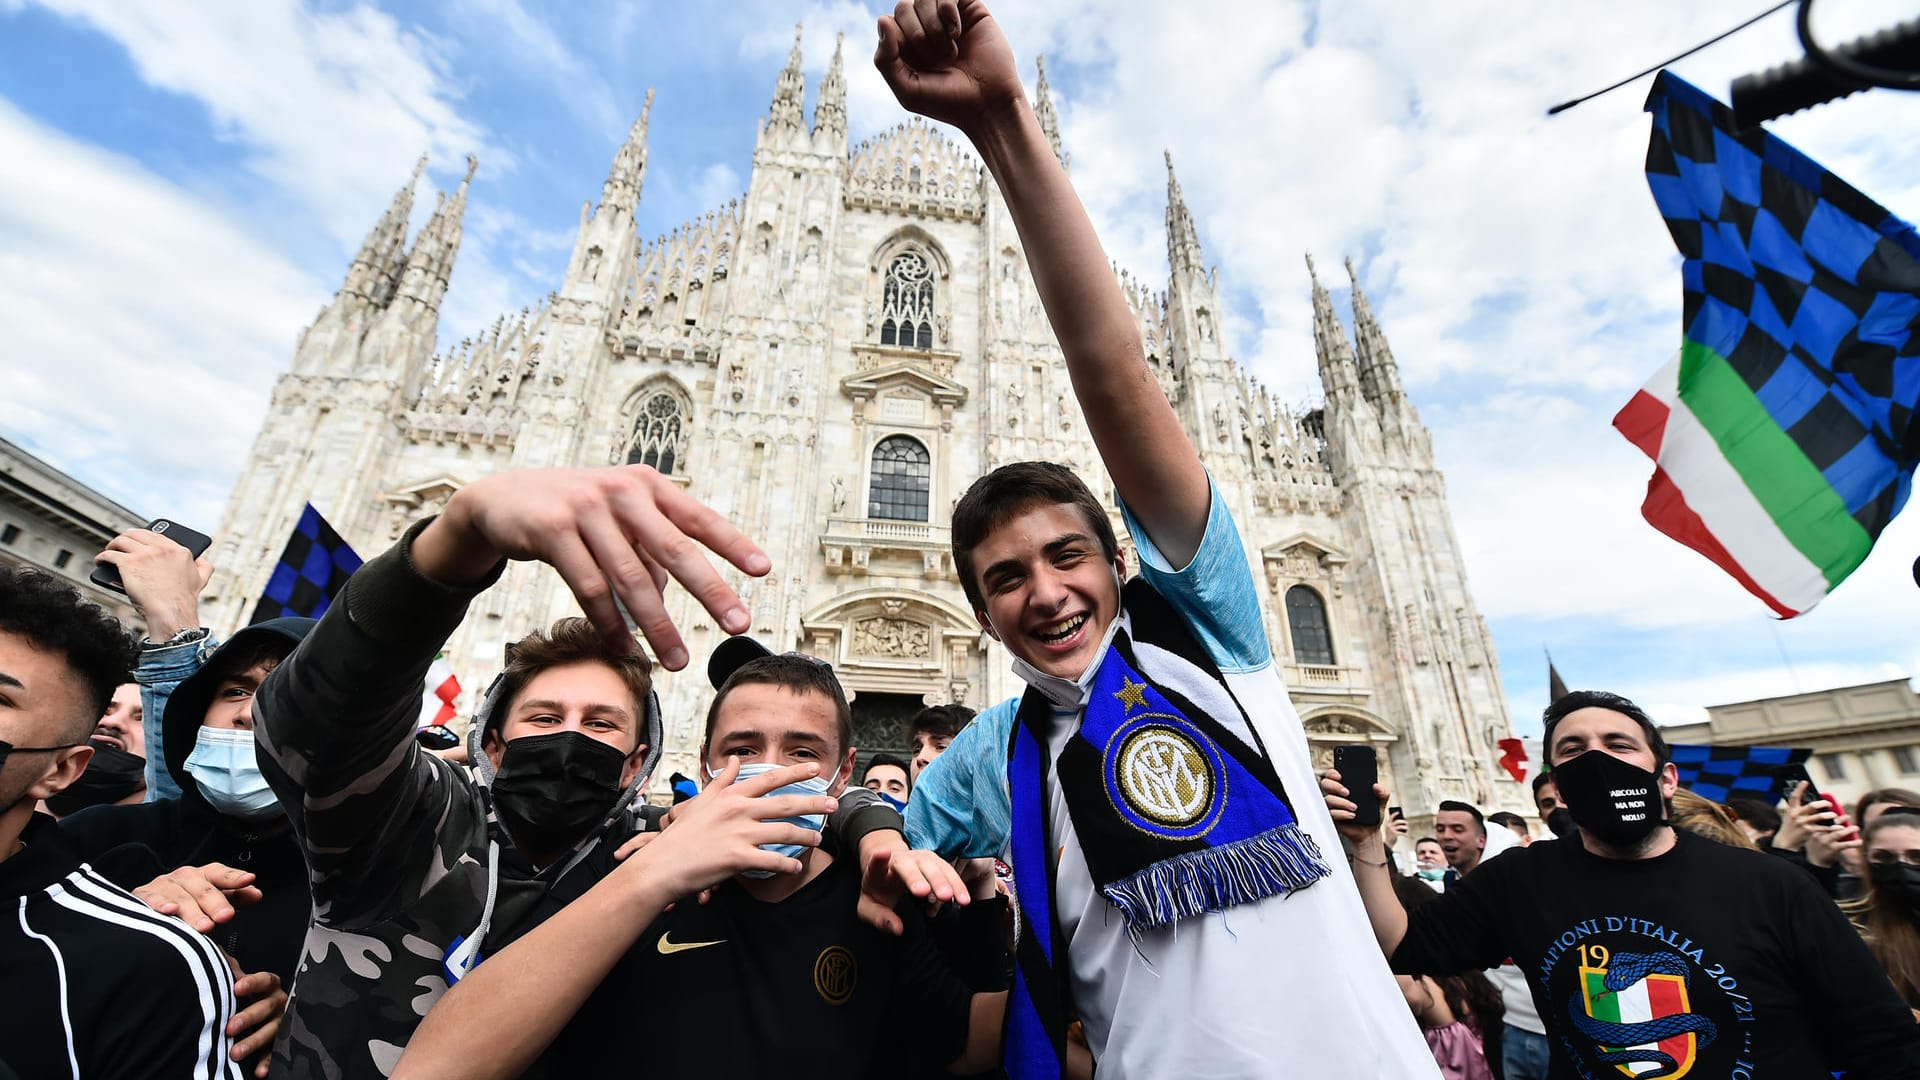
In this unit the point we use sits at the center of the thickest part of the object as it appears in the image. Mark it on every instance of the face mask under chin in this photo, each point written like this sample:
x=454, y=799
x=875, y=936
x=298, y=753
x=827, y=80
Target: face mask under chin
x=1063, y=692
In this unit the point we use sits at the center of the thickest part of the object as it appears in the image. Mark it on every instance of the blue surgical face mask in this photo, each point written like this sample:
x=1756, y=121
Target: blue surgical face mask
x=819, y=785
x=223, y=768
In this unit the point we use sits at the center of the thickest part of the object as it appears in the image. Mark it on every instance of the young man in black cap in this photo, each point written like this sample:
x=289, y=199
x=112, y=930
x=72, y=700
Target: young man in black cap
x=775, y=974
x=1647, y=949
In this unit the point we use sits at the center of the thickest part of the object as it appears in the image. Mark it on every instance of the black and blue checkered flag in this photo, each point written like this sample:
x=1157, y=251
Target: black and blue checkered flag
x=313, y=568
x=1787, y=427
x=1719, y=773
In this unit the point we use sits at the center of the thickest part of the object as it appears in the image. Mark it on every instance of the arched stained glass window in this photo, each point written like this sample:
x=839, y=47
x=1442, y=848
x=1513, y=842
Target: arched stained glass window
x=659, y=433
x=902, y=470
x=906, y=307
x=1307, y=618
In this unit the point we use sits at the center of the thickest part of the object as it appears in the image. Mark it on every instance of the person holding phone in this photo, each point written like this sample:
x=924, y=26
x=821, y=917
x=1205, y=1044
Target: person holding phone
x=1815, y=835
x=1644, y=945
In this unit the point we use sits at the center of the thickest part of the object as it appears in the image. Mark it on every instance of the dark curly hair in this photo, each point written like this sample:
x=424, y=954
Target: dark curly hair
x=52, y=616
x=1601, y=699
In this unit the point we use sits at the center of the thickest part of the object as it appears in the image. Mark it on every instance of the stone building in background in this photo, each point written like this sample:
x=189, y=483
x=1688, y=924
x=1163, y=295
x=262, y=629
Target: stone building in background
x=51, y=521
x=829, y=360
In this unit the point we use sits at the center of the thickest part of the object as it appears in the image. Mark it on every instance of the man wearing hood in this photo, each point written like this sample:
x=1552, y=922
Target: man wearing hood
x=225, y=830
x=422, y=869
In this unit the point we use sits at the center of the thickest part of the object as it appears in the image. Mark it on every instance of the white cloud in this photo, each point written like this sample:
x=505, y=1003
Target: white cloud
x=144, y=328
x=328, y=106
x=530, y=43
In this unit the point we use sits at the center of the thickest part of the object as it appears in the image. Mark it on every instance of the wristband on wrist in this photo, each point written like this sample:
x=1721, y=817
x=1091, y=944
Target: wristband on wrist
x=182, y=638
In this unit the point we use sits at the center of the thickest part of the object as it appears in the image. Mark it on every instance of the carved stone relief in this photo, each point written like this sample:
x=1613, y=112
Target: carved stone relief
x=893, y=638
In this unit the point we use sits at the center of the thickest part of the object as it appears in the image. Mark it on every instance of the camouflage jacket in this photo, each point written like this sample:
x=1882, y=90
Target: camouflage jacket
x=397, y=840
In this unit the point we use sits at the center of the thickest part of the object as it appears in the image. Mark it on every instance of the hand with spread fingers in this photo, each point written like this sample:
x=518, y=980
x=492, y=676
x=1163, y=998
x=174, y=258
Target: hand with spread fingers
x=254, y=1027
x=724, y=831
x=200, y=896
x=947, y=60
x=890, y=872
x=615, y=535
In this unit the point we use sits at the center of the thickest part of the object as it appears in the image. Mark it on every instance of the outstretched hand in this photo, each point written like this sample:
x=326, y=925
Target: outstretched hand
x=890, y=872
x=200, y=896
x=615, y=533
x=947, y=60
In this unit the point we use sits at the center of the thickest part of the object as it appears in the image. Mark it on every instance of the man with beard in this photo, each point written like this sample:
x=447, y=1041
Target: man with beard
x=422, y=869
x=1643, y=945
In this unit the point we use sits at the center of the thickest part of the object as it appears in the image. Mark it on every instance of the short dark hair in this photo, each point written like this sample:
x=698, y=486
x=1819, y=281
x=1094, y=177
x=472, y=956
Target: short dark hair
x=1602, y=699
x=571, y=641
x=887, y=759
x=53, y=617
x=1540, y=780
x=1459, y=807
x=942, y=720
x=1755, y=812
x=1011, y=490
x=1426, y=840
x=795, y=672
x=1511, y=820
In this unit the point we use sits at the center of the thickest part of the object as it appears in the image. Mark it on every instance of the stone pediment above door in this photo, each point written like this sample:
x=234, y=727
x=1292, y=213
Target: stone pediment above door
x=906, y=378
x=406, y=505
x=896, y=641
x=1304, y=557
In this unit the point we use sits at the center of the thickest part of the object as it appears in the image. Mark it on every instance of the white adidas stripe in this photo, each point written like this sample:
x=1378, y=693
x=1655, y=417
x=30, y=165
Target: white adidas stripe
x=60, y=974
x=1716, y=492
x=88, y=895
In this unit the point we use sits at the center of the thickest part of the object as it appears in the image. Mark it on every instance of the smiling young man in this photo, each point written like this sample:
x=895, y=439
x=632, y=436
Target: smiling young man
x=1645, y=948
x=1462, y=832
x=776, y=974
x=1170, y=855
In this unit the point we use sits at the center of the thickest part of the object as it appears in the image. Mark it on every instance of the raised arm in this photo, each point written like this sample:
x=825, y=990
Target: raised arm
x=947, y=60
x=163, y=581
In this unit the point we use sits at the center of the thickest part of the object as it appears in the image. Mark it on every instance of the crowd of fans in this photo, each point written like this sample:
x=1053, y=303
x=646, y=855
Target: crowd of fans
x=240, y=857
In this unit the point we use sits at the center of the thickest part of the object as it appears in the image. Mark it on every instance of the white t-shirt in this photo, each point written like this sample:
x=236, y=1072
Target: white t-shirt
x=1290, y=986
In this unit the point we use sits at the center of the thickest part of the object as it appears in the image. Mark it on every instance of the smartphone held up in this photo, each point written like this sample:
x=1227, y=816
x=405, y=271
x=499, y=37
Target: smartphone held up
x=107, y=576
x=1359, y=771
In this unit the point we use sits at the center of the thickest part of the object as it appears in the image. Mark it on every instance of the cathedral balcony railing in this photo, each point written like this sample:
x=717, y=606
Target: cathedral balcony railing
x=699, y=344
x=1326, y=679
x=859, y=545
x=881, y=357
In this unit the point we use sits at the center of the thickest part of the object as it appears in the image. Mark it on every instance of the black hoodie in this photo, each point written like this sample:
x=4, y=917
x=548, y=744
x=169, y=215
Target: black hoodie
x=132, y=845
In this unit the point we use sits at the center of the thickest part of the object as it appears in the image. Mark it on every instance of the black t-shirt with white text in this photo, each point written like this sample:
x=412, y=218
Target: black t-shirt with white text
x=1706, y=961
x=742, y=988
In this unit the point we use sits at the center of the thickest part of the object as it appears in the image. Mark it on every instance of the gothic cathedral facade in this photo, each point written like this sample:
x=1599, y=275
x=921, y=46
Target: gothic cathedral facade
x=828, y=361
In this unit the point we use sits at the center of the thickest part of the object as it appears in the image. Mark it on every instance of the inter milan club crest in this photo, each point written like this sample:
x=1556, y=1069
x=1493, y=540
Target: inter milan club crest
x=1162, y=780
x=835, y=974
x=1634, y=1006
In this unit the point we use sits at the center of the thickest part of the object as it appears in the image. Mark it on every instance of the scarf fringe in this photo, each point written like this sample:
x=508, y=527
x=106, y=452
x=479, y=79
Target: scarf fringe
x=1272, y=863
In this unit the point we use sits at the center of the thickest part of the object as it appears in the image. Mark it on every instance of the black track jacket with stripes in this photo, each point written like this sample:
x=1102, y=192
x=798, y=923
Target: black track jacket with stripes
x=96, y=984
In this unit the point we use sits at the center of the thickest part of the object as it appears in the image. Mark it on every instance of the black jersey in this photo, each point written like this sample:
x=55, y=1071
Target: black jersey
x=742, y=988
x=96, y=984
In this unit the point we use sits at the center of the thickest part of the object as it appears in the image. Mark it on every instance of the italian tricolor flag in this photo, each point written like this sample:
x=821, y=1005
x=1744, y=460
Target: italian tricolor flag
x=1734, y=486
x=436, y=705
x=1651, y=998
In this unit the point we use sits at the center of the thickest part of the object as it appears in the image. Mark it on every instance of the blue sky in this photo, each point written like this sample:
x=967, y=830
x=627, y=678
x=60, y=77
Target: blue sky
x=187, y=181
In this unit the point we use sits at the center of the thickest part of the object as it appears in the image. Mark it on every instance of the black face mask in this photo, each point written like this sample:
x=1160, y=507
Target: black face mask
x=1614, y=801
x=1898, y=882
x=112, y=775
x=7, y=749
x=551, y=790
x=1560, y=820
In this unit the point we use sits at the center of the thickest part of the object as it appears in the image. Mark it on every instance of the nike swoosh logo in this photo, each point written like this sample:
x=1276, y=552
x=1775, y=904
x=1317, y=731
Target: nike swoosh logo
x=668, y=948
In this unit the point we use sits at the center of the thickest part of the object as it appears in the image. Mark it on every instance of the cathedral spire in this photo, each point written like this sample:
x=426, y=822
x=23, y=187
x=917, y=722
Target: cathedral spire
x=1043, y=108
x=376, y=269
x=622, y=189
x=1379, y=374
x=830, y=112
x=1337, y=374
x=789, y=92
x=430, y=264
x=1183, y=241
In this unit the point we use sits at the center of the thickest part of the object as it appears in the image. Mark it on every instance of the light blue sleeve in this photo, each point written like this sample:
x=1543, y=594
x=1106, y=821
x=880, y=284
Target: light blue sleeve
x=1215, y=591
x=159, y=670
x=960, y=806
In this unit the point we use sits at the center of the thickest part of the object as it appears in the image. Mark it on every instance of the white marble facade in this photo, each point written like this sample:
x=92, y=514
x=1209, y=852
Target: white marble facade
x=764, y=352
